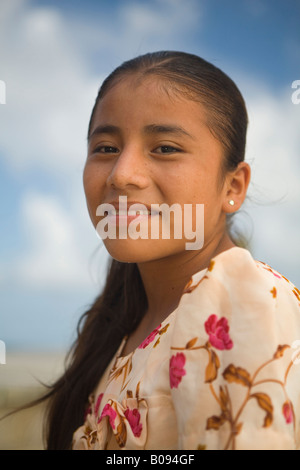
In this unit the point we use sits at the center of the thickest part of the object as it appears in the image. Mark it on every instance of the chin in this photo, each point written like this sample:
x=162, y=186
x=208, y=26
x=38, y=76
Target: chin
x=138, y=251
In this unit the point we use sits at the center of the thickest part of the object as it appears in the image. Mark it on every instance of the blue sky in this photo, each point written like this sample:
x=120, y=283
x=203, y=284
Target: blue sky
x=53, y=57
x=264, y=35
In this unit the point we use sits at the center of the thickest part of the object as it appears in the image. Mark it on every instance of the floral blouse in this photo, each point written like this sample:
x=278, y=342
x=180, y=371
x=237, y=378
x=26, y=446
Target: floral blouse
x=222, y=371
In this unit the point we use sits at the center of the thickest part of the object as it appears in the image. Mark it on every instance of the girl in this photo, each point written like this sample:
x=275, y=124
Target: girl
x=184, y=348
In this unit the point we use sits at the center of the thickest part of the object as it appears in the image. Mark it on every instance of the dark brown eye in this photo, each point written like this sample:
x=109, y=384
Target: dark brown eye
x=166, y=149
x=106, y=149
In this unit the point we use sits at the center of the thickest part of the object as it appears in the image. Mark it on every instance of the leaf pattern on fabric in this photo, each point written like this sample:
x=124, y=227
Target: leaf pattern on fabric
x=264, y=401
x=237, y=375
x=297, y=293
x=212, y=367
x=280, y=351
x=231, y=374
x=118, y=371
x=274, y=292
x=211, y=265
x=117, y=416
x=189, y=287
x=165, y=391
x=294, y=289
x=201, y=447
x=242, y=377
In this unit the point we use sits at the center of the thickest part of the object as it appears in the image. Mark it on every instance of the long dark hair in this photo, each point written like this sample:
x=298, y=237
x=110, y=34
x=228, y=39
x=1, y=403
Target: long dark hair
x=120, y=307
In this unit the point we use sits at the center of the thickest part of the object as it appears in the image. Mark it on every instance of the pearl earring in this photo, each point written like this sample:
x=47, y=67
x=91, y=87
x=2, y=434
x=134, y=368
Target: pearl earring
x=231, y=202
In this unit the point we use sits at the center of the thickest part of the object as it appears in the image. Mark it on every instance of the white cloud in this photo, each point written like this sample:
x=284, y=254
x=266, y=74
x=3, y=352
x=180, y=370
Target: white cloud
x=54, y=257
x=50, y=91
x=160, y=17
x=273, y=153
x=273, y=141
x=50, y=94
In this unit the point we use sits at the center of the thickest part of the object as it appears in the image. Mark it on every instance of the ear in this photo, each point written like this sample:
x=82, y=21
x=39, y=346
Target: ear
x=235, y=187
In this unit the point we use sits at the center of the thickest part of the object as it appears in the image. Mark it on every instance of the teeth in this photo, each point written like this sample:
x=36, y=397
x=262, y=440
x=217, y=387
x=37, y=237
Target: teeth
x=122, y=212
x=130, y=213
x=138, y=212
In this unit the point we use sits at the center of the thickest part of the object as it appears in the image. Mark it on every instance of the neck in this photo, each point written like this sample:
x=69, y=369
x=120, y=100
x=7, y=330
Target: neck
x=165, y=279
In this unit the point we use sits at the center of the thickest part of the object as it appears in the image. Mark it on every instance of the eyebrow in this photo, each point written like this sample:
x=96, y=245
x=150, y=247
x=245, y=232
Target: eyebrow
x=149, y=129
x=166, y=129
x=105, y=129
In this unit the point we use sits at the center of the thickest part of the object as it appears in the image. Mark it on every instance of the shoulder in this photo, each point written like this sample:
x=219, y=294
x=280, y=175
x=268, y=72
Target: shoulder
x=281, y=282
x=233, y=357
x=237, y=273
x=238, y=303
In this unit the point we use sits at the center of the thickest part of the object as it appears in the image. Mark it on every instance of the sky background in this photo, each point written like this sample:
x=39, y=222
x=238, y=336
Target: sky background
x=53, y=58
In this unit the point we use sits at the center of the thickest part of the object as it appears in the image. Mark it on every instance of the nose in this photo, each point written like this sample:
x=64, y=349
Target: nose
x=129, y=169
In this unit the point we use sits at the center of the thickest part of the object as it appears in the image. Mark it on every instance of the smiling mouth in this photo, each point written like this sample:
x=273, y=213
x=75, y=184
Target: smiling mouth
x=125, y=218
x=130, y=213
x=124, y=212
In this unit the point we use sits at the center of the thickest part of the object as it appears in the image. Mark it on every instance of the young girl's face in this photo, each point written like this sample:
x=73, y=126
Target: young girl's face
x=153, y=147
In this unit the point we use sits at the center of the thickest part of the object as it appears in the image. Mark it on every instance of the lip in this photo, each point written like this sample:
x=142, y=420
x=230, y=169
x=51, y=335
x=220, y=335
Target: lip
x=124, y=218
x=124, y=207
x=127, y=205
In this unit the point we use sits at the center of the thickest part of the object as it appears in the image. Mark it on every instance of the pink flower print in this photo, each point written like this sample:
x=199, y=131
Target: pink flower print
x=98, y=403
x=133, y=417
x=111, y=413
x=177, y=370
x=218, y=332
x=149, y=338
x=287, y=410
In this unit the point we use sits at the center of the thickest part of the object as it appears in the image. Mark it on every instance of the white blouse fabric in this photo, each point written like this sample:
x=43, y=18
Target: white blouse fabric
x=222, y=371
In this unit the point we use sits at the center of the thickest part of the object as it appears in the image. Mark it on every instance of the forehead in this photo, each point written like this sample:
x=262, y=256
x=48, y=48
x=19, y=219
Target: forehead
x=140, y=98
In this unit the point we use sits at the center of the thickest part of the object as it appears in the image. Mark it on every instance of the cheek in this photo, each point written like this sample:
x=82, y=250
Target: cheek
x=93, y=187
x=194, y=181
